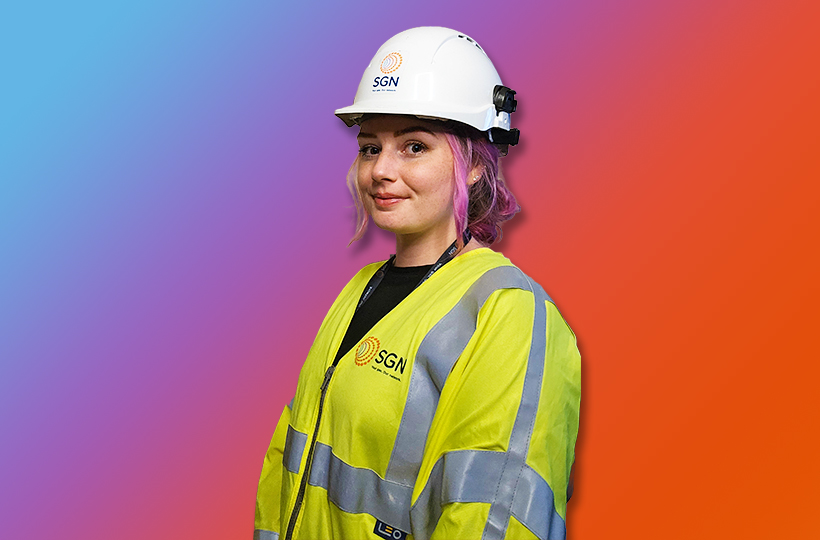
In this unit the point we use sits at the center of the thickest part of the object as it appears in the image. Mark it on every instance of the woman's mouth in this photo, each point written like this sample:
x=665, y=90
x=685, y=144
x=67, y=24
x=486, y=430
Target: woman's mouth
x=387, y=200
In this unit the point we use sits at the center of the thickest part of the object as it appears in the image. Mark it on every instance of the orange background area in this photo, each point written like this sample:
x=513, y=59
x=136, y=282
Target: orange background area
x=684, y=253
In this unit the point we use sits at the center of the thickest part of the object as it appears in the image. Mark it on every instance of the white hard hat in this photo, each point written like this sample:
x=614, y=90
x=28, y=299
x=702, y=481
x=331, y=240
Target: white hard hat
x=434, y=72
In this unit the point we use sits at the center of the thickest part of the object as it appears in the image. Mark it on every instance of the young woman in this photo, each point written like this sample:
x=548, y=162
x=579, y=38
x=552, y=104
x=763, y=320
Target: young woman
x=440, y=398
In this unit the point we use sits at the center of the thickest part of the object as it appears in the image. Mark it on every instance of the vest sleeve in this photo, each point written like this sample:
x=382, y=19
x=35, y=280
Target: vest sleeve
x=266, y=522
x=499, y=452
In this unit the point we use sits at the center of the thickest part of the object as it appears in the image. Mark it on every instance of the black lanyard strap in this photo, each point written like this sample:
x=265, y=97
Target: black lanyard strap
x=377, y=278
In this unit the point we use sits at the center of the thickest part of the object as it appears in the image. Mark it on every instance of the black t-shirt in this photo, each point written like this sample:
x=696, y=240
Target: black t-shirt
x=397, y=283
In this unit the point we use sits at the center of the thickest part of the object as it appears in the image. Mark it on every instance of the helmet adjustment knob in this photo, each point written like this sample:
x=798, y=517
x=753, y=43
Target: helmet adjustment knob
x=504, y=99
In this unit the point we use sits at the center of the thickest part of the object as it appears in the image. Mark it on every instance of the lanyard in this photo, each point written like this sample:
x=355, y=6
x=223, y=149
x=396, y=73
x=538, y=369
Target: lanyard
x=446, y=257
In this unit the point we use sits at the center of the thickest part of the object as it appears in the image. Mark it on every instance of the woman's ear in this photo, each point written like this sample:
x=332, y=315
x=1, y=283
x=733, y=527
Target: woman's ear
x=475, y=175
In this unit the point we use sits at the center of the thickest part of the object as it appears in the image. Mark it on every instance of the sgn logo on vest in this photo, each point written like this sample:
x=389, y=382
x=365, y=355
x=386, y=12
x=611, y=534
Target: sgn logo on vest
x=384, y=361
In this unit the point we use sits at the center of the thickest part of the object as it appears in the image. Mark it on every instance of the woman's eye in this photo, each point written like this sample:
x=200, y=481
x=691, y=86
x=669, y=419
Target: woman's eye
x=416, y=148
x=368, y=150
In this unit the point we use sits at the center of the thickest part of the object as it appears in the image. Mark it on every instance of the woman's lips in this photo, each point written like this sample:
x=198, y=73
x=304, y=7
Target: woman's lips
x=386, y=201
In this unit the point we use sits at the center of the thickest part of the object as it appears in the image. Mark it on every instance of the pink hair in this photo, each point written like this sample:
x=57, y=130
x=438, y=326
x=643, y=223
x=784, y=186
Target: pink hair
x=487, y=203
x=482, y=206
x=361, y=213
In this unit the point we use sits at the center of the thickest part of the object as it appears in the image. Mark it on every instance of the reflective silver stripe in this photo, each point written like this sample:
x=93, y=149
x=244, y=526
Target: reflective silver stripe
x=473, y=476
x=358, y=491
x=499, y=515
x=260, y=534
x=294, y=447
x=436, y=356
x=459, y=476
x=534, y=507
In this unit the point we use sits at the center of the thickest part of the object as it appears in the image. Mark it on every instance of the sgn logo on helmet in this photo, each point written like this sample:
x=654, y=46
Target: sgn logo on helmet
x=388, y=65
x=367, y=351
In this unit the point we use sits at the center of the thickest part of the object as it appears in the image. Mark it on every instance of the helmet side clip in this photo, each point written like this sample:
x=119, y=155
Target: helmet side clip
x=505, y=104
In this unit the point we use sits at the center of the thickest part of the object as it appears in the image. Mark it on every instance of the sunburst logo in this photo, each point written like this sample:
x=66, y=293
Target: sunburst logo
x=390, y=63
x=366, y=351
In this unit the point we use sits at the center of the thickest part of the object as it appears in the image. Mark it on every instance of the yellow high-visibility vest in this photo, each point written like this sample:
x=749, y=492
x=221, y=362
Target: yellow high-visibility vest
x=455, y=416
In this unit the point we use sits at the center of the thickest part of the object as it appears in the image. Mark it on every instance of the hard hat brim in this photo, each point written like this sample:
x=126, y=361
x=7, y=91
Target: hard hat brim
x=481, y=119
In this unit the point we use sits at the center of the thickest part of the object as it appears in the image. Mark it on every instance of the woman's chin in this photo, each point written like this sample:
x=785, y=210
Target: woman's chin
x=390, y=226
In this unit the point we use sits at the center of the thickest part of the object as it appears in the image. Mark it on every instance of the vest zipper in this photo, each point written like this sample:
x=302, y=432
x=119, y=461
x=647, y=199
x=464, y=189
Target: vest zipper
x=309, y=461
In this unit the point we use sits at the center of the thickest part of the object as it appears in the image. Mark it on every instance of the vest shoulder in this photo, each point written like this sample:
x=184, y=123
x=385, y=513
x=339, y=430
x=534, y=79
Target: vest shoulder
x=366, y=272
x=491, y=269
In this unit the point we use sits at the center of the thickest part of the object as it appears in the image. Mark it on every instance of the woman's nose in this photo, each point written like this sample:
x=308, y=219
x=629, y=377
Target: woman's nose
x=385, y=167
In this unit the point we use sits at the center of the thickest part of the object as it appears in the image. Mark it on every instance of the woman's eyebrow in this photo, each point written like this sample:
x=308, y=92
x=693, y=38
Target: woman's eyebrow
x=412, y=129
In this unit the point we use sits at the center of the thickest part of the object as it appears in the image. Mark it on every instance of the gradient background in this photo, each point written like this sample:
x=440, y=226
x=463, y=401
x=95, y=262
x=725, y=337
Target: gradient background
x=174, y=222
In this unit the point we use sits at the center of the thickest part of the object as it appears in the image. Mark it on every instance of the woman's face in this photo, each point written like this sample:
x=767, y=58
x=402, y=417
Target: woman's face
x=405, y=176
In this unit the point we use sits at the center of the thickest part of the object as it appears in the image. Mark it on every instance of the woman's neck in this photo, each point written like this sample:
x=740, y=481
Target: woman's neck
x=415, y=251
